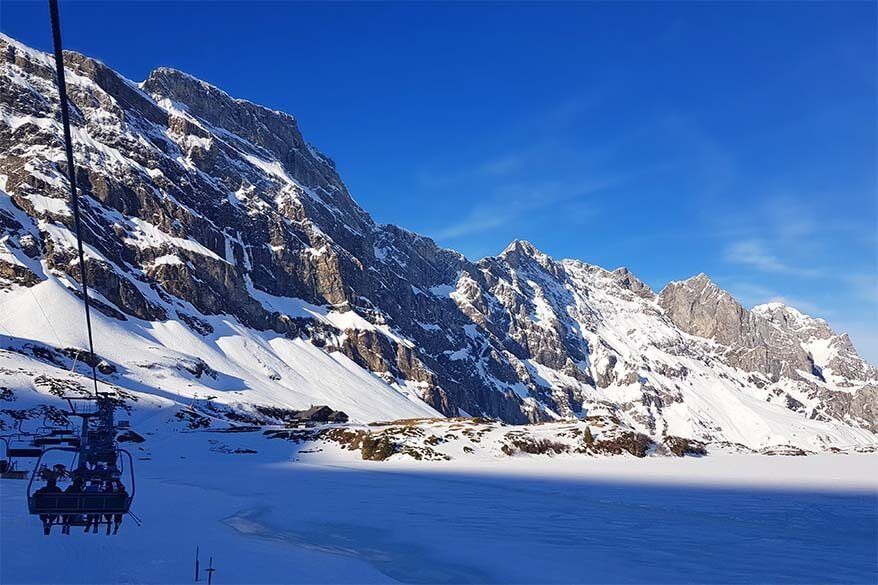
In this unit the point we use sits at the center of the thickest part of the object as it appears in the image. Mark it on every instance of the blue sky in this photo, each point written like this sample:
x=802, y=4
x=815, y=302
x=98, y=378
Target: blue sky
x=735, y=139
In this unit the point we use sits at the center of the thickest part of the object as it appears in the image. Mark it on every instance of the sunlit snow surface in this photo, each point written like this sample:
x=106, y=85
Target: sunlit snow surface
x=253, y=367
x=278, y=516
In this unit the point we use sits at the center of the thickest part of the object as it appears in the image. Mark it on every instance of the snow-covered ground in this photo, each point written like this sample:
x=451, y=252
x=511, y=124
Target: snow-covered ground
x=279, y=515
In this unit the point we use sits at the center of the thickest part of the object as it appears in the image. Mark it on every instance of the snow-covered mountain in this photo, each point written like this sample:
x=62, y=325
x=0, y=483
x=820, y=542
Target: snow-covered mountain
x=230, y=262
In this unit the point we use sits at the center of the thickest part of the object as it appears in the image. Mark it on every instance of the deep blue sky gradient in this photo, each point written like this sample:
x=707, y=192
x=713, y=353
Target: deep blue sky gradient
x=731, y=138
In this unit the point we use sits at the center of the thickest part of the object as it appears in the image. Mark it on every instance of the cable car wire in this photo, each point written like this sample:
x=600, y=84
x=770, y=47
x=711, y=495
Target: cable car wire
x=71, y=173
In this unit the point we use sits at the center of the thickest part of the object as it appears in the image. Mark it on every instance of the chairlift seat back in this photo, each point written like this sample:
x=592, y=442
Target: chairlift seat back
x=24, y=452
x=84, y=503
x=14, y=474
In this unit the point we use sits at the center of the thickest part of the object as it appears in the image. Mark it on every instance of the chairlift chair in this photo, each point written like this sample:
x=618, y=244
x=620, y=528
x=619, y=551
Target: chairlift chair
x=24, y=451
x=7, y=466
x=61, y=432
x=97, y=458
x=76, y=504
x=8, y=470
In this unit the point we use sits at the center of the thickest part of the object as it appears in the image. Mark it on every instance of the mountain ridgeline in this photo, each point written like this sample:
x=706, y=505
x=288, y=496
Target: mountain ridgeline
x=199, y=207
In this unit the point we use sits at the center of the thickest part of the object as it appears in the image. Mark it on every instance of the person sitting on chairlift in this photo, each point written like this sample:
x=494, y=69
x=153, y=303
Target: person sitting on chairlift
x=108, y=518
x=92, y=520
x=74, y=488
x=51, y=487
x=119, y=488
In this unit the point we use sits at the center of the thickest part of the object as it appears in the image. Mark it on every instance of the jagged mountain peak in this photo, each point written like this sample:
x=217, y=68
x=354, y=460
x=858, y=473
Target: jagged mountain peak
x=520, y=253
x=699, y=282
x=700, y=307
x=269, y=133
x=791, y=319
x=169, y=81
x=521, y=247
x=14, y=44
x=626, y=279
x=781, y=312
x=168, y=76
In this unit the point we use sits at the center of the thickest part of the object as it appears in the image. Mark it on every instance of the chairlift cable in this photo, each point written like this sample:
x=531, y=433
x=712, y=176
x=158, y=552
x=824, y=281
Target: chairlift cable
x=68, y=146
x=6, y=329
x=54, y=331
x=45, y=316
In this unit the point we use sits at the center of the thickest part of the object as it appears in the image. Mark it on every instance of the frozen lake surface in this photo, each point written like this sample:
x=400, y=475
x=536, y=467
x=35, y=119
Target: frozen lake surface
x=522, y=521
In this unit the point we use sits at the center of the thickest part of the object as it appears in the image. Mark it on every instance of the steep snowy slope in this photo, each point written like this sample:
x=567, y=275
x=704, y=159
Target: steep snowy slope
x=229, y=260
x=238, y=366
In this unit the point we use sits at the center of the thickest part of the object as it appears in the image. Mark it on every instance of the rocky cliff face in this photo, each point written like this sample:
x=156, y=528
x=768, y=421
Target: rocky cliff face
x=197, y=204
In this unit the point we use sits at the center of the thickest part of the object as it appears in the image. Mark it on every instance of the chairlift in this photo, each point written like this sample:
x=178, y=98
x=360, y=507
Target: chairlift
x=8, y=470
x=8, y=466
x=61, y=432
x=21, y=445
x=64, y=503
x=24, y=452
x=97, y=461
x=52, y=428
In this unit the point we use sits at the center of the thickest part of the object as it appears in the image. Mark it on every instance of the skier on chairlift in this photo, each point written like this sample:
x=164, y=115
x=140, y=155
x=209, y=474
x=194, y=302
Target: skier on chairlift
x=74, y=488
x=51, y=487
x=117, y=487
x=92, y=520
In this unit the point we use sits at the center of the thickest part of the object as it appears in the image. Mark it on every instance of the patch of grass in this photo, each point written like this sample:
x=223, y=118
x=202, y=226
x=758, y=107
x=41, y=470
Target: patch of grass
x=377, y=448
x=636, y=444
x=681, y=446
x=519, y=443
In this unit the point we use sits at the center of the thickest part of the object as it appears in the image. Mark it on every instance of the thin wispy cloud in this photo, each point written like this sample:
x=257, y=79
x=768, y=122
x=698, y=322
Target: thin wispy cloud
x=518, y=201
x=749, y=293
x=865, y=286
x=572, y=109
x=504, y=165
x=512, y=191
x=753, y=253
x=479, y=219
x=791, y=222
